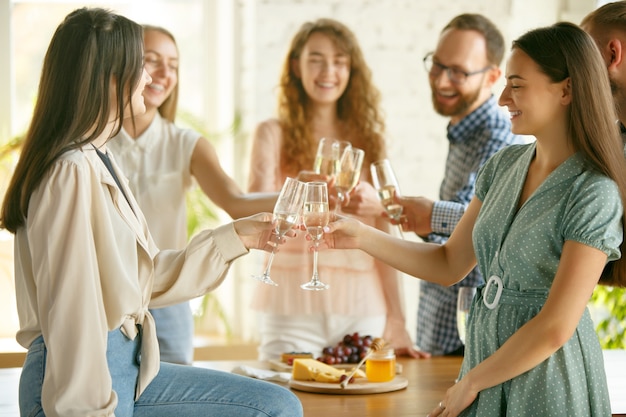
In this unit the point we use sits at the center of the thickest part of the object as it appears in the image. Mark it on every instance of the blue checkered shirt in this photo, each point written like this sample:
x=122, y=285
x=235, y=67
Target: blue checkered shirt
x=472, y=141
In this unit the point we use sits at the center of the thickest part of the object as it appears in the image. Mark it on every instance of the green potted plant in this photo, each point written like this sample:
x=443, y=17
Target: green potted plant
x=609, y=306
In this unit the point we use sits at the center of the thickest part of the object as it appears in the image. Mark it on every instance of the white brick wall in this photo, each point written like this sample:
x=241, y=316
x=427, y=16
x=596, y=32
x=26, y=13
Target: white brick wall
x=394, y=35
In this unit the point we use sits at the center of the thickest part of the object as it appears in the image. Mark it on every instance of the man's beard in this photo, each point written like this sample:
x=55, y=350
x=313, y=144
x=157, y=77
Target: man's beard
x=465, y=101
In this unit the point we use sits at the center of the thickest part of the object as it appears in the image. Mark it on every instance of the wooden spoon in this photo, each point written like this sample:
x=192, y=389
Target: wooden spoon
x=377, y=344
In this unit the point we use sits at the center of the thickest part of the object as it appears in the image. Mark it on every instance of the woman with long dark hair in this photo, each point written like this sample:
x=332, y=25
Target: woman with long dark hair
x=86, y=266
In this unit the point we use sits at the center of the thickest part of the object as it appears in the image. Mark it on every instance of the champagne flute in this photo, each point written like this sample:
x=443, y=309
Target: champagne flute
x=463, y=303
x=349, y=173
x=328, y=155
x=385, y=182
x=315, y=215
x=286, y=214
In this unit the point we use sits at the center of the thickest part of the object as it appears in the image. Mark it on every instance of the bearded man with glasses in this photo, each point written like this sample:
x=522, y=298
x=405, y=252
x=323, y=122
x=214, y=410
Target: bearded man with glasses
x=462, y=72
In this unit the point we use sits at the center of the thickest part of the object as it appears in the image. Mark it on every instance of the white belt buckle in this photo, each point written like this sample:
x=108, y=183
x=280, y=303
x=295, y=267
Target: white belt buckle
x=492, y=304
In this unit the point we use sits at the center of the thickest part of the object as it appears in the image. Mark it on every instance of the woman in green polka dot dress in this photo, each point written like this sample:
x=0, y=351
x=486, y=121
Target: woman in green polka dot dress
x=546, y=219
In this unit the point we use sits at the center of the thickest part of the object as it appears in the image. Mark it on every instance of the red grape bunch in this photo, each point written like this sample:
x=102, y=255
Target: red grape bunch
x=351, y=349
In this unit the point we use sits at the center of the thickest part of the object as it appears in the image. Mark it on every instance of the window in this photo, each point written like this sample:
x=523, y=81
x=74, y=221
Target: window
x=204, y=34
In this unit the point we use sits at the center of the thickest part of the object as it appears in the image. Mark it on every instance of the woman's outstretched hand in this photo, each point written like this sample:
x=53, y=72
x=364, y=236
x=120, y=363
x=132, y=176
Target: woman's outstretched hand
x=257, y=232
x=341, y=233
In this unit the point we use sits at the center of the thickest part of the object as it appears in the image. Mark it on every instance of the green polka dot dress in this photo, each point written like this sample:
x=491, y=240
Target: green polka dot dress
x=518, y=252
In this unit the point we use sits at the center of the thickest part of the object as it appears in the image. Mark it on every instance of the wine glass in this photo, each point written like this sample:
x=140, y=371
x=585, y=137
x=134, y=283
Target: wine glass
x=328, y=155
x=463, y=303
x=286, y=214
x=349, y=173
x=385, y=182
x=315, y=215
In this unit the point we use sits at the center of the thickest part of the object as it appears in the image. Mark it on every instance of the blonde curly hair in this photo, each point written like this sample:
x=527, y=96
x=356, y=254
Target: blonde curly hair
x=358, y=107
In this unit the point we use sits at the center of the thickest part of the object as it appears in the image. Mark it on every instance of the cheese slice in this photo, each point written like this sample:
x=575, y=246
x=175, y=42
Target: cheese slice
x=314, y=370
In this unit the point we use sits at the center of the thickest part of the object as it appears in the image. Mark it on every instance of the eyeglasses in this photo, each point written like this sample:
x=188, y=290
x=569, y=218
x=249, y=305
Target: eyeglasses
x=456, y=76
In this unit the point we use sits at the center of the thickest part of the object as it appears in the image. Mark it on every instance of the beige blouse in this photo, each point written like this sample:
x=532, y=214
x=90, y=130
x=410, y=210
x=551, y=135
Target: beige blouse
x=355, y=282
x=85, y=264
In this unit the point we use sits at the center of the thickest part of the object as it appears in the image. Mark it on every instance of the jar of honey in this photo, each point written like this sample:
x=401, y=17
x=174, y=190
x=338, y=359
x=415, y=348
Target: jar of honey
x=381, y=365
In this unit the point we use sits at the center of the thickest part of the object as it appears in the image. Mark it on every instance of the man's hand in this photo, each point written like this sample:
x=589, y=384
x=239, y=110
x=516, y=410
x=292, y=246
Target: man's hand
x=416, y=214
x=363, y=201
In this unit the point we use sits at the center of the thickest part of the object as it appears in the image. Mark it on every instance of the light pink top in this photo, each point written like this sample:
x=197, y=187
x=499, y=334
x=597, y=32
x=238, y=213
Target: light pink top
x=355, y=284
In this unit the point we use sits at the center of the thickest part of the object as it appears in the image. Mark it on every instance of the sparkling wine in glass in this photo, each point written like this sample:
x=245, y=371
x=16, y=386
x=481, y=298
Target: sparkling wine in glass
x=328, y=156
x=349, y=172
x=286, y=214
x=464, y=301
x=315, y=216
x=385, y=182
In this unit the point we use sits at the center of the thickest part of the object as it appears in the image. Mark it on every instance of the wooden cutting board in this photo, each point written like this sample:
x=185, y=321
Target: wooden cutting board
x=277, y=365
x=360, y=386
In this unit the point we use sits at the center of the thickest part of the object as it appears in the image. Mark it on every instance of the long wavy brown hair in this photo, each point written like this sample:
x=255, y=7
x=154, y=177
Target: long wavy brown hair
x=358, y=107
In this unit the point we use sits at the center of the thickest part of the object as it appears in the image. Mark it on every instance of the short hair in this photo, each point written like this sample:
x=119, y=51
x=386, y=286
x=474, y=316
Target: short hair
x=479, y=23
x=610, y=16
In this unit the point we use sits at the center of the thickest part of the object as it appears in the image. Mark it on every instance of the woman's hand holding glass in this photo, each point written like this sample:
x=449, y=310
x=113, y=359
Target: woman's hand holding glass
x=286, y=214
x=315, y=216
x=363, y=201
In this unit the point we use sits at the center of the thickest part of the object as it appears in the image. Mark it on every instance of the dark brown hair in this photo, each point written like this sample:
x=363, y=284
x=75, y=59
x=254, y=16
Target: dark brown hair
x=564, y=51
x=91, y=52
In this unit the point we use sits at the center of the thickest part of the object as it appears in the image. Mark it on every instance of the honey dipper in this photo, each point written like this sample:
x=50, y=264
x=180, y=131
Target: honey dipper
x=377, y=344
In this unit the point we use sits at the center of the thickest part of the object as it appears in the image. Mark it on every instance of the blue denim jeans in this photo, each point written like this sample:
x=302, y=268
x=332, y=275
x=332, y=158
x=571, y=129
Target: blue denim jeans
x=177, y=390
x=174, y=326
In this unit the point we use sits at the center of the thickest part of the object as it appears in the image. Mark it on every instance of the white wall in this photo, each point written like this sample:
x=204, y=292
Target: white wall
x=394, y=35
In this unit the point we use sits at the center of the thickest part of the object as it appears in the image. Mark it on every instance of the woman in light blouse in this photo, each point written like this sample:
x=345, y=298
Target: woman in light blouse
x=161, y=161
x=86, y=267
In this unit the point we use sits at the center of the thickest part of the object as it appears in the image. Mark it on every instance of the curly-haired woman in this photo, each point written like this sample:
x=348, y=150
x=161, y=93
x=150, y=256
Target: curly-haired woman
x=325, y=90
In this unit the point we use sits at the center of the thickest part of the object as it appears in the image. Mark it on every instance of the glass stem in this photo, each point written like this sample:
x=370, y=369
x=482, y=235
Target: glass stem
x=339, y=203
x=397, y=218
x=271, y=258
x=315, y=275
x=269, y=264
x=400, y=230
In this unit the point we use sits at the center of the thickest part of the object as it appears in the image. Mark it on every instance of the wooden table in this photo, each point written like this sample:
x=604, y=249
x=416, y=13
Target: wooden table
x=428, y=381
